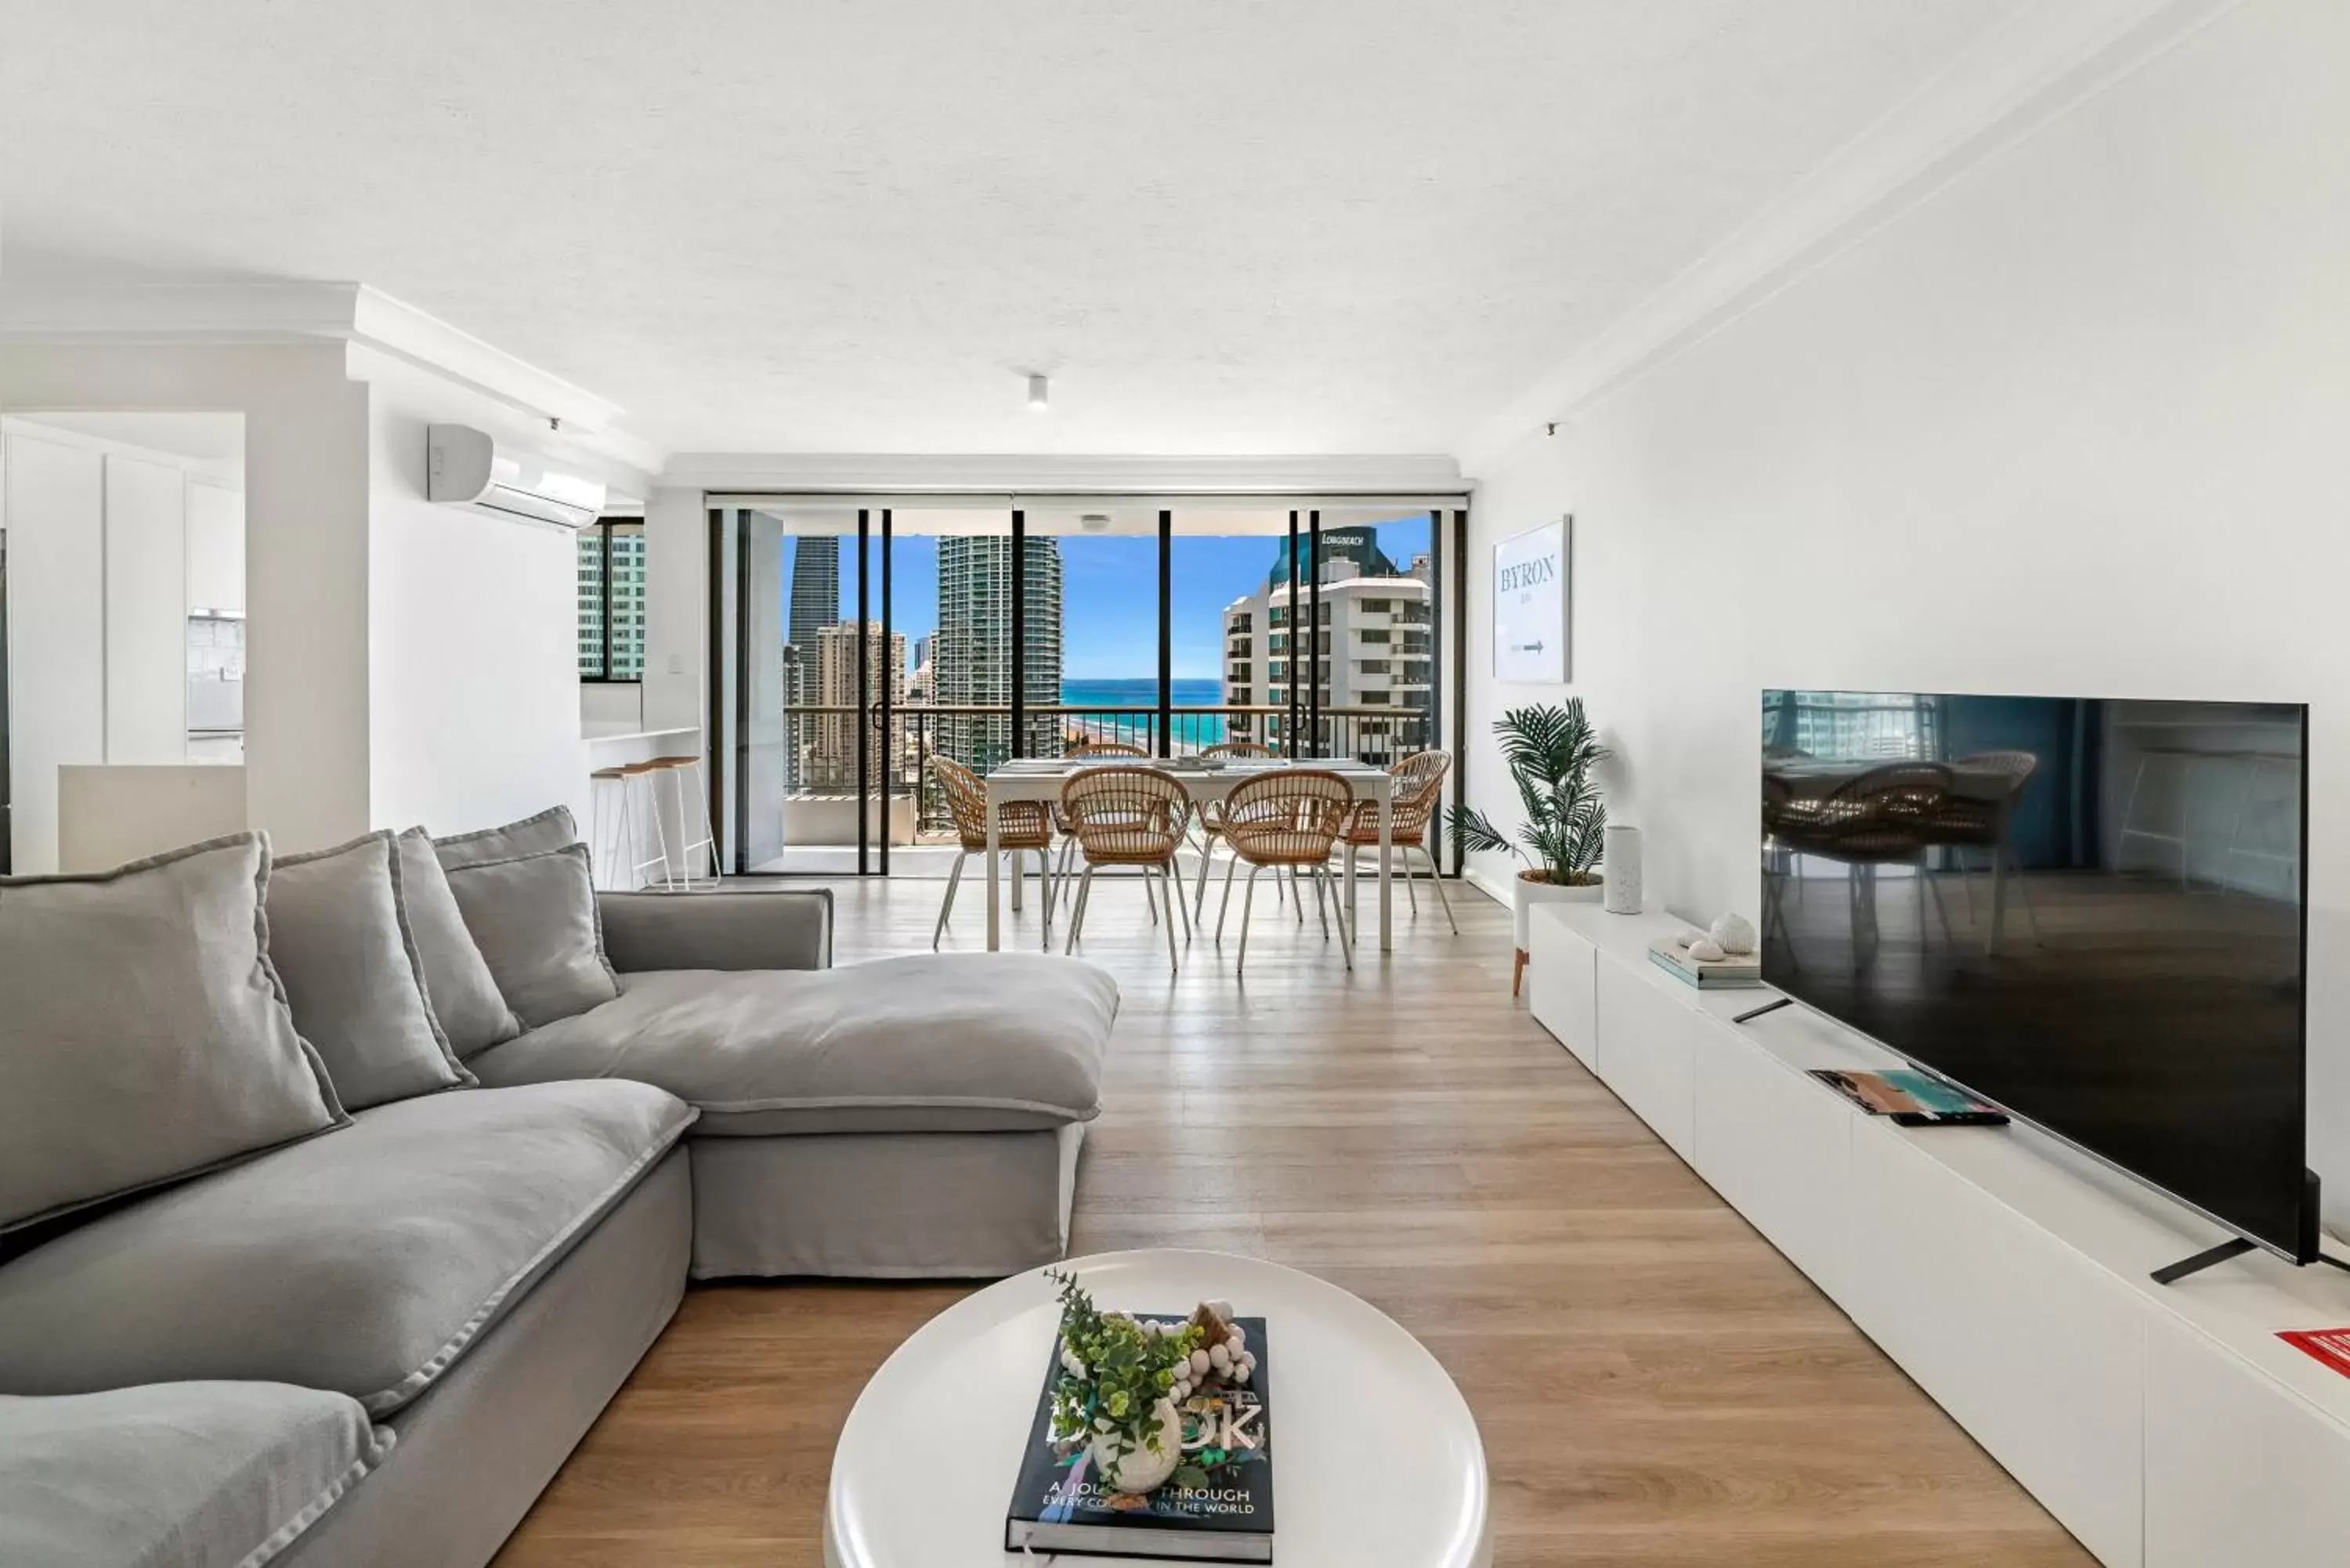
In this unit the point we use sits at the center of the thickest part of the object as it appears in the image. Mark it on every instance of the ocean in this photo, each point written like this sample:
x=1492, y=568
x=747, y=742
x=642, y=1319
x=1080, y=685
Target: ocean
x=1191, y=731
x=1142, y=693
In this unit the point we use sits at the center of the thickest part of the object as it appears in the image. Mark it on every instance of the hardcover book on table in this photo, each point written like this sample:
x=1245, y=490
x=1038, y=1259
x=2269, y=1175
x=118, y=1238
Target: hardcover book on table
x=1736, y=972
x=1217, y=1507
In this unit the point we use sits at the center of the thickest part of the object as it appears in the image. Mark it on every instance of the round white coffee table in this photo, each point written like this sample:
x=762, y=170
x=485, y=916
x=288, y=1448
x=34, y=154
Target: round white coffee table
x=1377, y=1462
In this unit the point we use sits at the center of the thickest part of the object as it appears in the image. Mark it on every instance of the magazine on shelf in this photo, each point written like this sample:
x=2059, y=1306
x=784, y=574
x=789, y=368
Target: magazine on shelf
x=1913, y=1099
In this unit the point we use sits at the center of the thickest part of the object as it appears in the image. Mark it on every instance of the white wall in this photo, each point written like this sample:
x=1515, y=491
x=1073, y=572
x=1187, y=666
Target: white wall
x=52, y=501
x=2075, y=424
x=146, y=611
x=473, y=621
x=677, y=608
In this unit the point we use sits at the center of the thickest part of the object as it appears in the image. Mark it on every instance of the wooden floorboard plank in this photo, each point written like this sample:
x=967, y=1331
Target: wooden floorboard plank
x=1657, y=1387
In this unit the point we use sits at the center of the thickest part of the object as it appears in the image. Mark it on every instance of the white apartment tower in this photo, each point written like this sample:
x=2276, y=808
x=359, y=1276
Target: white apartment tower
x=1377, y=658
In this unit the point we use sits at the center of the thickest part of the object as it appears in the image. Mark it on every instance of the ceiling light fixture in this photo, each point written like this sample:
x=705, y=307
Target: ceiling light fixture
x=1039, y=395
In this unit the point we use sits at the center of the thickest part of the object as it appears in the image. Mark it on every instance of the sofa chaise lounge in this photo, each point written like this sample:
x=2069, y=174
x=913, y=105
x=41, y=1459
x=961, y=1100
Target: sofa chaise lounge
x=376, y=1341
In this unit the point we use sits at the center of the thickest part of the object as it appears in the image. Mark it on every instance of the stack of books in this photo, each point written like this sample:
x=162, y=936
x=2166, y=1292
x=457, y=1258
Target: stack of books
x=1217, y=1507
x=1737, y=970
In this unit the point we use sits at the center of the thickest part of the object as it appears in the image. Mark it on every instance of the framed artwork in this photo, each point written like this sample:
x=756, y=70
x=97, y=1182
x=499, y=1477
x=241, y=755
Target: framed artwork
x=1532, y=593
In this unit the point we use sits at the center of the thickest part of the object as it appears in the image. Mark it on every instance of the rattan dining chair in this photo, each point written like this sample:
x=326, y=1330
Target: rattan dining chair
x=1210, y=824
x=1290, y=820
x=1128, y=816
x=1413, y=798
x=1020, y=828
x=1889, y=816
x=1088, y=747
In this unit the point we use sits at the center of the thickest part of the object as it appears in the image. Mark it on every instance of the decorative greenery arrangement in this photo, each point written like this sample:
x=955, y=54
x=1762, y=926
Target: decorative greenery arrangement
x=1551, y=752
x=1114, y=1372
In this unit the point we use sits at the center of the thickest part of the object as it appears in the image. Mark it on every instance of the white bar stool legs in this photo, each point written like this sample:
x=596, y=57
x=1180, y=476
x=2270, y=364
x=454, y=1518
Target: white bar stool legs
x=612, y=827
x=685, y=771
x=635, y=804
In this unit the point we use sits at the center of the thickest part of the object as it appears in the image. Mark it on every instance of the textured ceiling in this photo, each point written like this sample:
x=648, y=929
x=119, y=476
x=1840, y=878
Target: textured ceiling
x=1304, y=226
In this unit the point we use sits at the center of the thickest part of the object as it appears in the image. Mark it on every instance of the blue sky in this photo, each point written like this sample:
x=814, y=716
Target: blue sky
x=1109, y=586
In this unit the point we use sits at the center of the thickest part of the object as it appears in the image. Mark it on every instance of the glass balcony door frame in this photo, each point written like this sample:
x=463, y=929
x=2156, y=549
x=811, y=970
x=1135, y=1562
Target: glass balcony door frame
x=876, y=716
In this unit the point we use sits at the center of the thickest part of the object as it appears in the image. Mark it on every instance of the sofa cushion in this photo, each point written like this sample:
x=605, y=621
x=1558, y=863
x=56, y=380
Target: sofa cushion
x=365, y=1261
x=175, y=1475
x=534, y=919
x=550, y=829
x=457, y=980
x=144, y=1034
x=338, y=936
x=937, y=1041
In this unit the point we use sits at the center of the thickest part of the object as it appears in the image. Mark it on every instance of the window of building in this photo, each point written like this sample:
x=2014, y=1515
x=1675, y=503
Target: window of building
x=1375, y=698
x=1373, y=666
x=1375, y=634
x=612, y=600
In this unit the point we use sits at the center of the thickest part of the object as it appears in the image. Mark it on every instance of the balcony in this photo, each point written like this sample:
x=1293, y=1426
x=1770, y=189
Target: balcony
x=810, y=775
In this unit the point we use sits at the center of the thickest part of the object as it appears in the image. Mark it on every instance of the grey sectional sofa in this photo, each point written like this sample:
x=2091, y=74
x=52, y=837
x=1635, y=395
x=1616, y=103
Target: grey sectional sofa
x=376, y=1344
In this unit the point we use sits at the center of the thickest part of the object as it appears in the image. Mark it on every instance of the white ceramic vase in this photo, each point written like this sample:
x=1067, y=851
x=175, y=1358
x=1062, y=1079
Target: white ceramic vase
x=1622, y=859
x=1142, y=1468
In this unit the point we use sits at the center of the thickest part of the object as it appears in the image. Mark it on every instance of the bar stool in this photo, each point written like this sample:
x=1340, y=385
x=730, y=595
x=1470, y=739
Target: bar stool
x=612, y=827
x=646, y=802
x=685, y=771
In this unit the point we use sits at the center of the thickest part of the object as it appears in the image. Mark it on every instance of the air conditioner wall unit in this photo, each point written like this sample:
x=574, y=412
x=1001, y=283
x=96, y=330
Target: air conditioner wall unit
x=466, y=467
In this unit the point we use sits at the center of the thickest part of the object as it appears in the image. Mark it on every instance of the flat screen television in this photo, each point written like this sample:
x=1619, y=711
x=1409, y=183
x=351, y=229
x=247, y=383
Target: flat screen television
x=2089, y=911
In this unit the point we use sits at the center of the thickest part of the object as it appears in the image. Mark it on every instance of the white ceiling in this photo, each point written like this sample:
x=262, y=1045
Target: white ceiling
x=1305, y=226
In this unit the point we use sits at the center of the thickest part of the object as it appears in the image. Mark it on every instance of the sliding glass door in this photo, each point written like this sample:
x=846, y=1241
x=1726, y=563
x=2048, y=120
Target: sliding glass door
x=860, y=639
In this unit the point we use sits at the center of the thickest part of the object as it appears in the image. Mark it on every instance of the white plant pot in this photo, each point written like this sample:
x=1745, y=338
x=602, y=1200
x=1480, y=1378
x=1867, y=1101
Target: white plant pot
x=1142, y=1469
x=1527, y=895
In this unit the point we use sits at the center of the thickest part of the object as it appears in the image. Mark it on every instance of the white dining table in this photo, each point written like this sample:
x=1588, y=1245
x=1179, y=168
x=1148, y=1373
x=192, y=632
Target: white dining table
x=1040, y=779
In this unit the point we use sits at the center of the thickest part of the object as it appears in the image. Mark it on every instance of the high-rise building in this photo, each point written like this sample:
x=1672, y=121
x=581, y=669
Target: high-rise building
x=1360, y=545
x=970, y=658
x=617, y=592
x=814, y=604
x=815, y=590
x=1375, y=651
x=832, y=758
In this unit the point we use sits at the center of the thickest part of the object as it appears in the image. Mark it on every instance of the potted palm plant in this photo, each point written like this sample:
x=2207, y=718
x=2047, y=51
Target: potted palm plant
x=1551, y=752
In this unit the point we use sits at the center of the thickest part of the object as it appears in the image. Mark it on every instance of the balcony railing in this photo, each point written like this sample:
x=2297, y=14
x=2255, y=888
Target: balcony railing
x=818, y=752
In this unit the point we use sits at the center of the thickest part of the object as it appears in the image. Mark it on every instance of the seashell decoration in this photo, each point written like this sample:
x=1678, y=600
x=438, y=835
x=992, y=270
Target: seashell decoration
x=1734, y=933
x=1705, y=950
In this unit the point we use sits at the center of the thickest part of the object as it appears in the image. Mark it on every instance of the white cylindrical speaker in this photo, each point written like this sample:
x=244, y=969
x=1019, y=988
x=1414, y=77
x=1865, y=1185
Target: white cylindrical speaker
x=1621, y=868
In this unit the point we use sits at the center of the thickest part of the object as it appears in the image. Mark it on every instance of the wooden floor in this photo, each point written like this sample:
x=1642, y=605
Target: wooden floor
x=1655, y=1385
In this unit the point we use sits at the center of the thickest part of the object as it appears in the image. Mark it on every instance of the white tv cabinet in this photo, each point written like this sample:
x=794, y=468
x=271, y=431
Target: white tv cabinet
x=2165, y=1426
